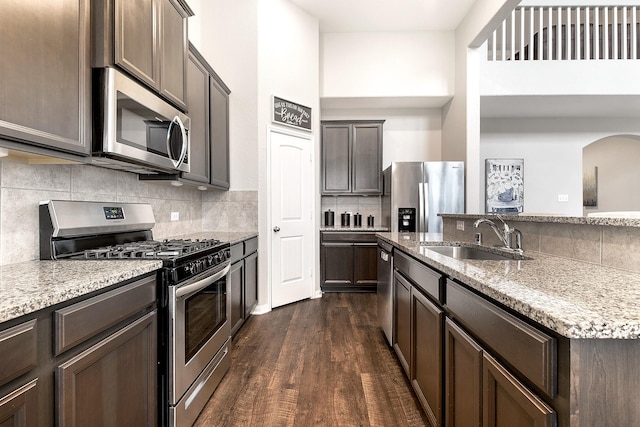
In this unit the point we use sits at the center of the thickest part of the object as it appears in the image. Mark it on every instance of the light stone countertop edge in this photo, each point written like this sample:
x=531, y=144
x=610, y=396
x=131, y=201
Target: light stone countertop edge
x=576, y=299
x=30, y=286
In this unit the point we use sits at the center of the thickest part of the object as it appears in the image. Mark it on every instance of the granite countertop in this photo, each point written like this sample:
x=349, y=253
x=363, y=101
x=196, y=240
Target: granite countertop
x=575, y=299
x=30, y=286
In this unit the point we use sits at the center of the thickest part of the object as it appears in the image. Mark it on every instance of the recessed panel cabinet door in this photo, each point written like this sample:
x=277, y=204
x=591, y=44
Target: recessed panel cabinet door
x=463, y=373
x=426, y=377
x=219, y=119
x=173, y=45
x=402, y=344
x=367, y=159
x=198, y=104
x=112, y=382
x=45, y=73
x=336, y=158
x=136, y=39
x=507, y=402
x=20, y=407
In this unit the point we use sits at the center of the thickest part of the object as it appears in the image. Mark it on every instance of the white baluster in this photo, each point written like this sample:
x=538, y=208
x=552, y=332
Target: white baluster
x=614, y=30
x=596, y=33
x=605, y=37
x=587, y=34
x=634, y=32
x=540, y=32
x=522, y=13
x=625, y=46
x=549, y=33
x=531, y=32
x=578, y=33
x=512, y=33
x=567, y=35
x=559, y=34
x=503, y=41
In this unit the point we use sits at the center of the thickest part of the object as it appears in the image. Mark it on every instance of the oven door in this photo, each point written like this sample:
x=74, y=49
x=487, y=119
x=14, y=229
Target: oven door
x=199, y=326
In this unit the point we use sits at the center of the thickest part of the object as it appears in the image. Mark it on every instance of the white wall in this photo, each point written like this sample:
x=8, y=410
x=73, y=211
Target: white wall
x=288, y=66
x=409, y=134
x=461, y=116
x=387, y=64
x=229, y=42
x=559, y=77
x=552, y=153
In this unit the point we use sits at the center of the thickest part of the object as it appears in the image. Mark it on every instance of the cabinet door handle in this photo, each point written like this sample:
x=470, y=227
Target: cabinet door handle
x=276, y=228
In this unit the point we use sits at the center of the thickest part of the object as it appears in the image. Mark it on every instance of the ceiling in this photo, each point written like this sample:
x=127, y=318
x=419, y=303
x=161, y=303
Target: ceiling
x=446, y=15
x=338, y=16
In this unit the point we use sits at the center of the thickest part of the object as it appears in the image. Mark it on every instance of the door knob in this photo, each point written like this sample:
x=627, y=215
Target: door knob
x=276, y=228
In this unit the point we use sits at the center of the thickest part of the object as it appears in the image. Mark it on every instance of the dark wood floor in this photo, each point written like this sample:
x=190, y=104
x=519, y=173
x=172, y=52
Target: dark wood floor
x=318, y=362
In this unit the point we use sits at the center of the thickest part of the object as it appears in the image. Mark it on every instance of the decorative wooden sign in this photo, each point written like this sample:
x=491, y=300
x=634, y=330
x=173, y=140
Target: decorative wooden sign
x=291, y=114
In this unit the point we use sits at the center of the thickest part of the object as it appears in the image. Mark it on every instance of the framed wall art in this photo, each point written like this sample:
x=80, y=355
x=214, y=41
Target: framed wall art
x=504, y=185
x=291, y=114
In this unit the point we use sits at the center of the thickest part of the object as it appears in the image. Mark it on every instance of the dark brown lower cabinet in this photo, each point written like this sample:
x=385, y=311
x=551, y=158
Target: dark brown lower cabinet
x=242, y=282
x=114, y=381
x=402, y=322
x=426, y=373
x=463, y=378
x=348, y=261
x=481, y=391
x=251, y=283
x=337, y=268
x=20, y=407
x=235, y=282
x=507, y=402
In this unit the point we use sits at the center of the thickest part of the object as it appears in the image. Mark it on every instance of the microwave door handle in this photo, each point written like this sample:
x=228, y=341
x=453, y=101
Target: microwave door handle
x=201, y=284
x=183, y=153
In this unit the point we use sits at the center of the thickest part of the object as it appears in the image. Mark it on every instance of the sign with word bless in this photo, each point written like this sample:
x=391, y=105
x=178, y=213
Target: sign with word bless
x=291, y=114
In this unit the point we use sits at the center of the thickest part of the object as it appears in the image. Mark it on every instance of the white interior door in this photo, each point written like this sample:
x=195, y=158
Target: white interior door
x=291, y=217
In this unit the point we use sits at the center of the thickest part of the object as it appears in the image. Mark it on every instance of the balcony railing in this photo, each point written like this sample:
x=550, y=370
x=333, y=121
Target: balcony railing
x=567, y=33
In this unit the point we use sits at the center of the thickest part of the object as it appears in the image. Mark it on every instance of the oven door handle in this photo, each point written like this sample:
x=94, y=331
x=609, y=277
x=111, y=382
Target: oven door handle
x=201, y=284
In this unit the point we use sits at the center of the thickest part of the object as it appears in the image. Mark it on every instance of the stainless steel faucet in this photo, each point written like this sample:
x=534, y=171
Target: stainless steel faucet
x=505, y=234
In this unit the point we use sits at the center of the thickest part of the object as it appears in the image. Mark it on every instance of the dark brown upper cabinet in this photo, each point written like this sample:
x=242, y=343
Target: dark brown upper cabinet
x=146, y=38
x=352, y=157
x=208, y=104
x=219, y=128
x=46, y=76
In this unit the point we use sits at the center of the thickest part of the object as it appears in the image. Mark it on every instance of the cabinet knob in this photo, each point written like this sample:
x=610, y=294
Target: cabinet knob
x=276, y=228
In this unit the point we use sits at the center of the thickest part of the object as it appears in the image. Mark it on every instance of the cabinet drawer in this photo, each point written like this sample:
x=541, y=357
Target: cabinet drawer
x=237, y=252
x=251, y=245
x=81, y=321
x=349, y=237
x=422, y=276
x=18, y=350
x=525, y=348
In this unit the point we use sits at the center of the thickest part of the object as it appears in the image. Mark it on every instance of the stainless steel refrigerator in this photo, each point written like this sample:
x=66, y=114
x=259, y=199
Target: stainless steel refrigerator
x=416, y=192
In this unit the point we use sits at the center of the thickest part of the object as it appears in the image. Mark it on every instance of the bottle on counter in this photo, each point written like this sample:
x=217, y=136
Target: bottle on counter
x=357, y=220
x=329, y=218
x=345, y=219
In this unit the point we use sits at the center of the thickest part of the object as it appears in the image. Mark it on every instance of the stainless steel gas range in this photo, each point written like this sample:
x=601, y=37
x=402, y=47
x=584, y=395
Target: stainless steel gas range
x=193, y=307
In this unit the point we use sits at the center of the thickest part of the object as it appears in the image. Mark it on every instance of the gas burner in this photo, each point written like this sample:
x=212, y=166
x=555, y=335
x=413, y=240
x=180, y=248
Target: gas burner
x=151, y=249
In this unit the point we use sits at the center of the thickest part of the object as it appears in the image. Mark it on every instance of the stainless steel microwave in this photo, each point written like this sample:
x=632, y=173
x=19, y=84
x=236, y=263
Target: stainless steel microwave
x=136, y=130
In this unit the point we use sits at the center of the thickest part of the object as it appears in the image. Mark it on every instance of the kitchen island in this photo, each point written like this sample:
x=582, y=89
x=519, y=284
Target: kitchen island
x=556, y=335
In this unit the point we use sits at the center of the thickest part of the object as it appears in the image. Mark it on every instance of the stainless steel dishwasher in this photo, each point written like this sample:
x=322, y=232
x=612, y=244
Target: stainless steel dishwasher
x=385, y=289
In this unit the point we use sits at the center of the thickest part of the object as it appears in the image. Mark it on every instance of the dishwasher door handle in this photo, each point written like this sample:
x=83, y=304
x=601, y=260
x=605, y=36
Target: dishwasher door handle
x=384, y=256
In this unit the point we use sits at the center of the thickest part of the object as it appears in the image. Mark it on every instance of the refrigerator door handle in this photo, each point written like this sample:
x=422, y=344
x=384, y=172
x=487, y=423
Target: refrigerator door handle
x=422, y=188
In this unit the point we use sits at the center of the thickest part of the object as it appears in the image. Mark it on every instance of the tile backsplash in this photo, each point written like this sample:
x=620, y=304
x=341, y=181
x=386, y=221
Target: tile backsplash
x=364, y=205
x=612, y=246
x=23, y=186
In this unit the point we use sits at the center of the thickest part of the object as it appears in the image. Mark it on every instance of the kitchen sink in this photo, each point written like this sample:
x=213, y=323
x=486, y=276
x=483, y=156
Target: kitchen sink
x=473, y=252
